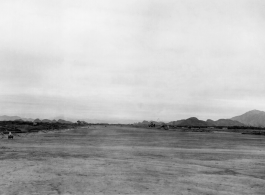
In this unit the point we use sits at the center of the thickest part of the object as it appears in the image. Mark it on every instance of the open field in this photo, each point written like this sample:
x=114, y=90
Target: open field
x=126, y=160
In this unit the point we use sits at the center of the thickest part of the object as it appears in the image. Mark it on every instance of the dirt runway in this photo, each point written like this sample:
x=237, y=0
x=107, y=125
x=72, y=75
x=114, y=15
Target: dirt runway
x=126, y=160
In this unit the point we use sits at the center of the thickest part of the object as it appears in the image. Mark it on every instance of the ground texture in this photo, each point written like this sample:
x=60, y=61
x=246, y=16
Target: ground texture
x=126, y=160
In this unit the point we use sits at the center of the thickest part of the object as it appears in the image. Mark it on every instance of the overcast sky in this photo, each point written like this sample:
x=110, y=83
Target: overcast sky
x=132, y=60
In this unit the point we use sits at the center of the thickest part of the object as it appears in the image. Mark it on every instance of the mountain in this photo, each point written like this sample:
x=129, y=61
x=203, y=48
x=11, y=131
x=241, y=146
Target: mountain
x=27, y=119
x=254, y=118
x=176, y=123
x=19, y=120
x=146, y=123
x=14, y=118
x=59, y=117
x=157, y=123
x=37, y=120
x=64, y=121
x=193, y=121
x=9, y=118
x=46, y=121
x=227, y=122
x=210, y=122
x=143, y=123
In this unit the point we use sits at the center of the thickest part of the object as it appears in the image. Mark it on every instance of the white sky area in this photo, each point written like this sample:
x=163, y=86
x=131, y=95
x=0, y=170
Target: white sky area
x=132, y=60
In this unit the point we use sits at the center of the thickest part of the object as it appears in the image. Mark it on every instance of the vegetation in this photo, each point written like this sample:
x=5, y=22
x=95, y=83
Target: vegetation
x=27, y=127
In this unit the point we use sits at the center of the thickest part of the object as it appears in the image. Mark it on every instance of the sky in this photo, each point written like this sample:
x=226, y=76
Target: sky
x=132, y=60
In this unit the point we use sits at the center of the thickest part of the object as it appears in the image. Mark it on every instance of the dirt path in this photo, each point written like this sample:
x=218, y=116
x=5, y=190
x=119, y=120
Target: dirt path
x=123, y=160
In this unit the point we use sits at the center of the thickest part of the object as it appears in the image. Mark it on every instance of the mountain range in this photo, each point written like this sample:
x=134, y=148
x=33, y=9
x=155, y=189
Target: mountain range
x=13, y=118
x=253, y=118
x=17, y=118
x=193, y=121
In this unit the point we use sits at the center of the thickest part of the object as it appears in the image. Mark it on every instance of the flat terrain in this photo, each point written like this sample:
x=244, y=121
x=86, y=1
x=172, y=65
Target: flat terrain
x=126, y=160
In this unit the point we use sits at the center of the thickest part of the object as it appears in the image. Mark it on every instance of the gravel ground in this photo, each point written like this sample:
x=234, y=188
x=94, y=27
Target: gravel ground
x=125, y=160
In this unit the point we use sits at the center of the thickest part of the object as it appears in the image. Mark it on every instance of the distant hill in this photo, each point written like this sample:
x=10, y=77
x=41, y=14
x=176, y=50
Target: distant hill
x=64, y=121
x=27, y=119
x=157, y=123
x=193, y=121
x=210, y=122
x=46, y=121
x=227, y=122
x=254, y=118
x=37, y=120
x=14, y=118
x=146, y=123
x=19, y=120
x=176, y=122
x=9, y=118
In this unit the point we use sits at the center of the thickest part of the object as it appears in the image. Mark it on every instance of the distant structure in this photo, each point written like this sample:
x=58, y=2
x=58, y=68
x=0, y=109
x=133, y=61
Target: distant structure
x=152, y=124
